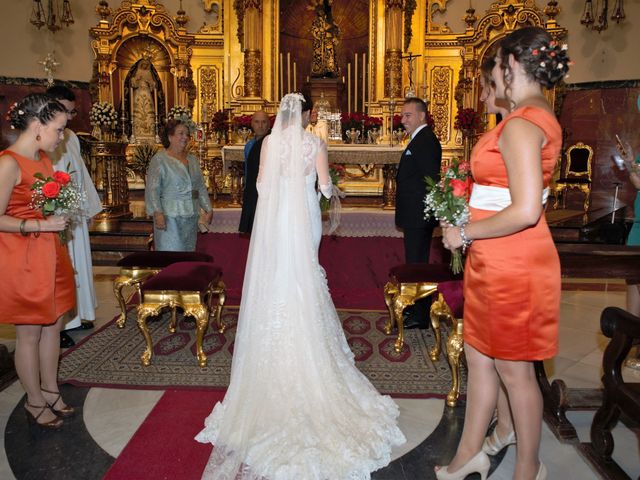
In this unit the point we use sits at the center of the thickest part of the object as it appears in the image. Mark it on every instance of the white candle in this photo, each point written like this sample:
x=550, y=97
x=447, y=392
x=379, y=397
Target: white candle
x=288, y=72
x=281, y=77
x=294, y=77
x=355, y=83
x=364, y=78
x=349, y=87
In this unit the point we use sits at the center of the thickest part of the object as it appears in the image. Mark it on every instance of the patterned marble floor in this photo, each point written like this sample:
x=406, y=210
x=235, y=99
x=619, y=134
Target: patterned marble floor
x=87, y=445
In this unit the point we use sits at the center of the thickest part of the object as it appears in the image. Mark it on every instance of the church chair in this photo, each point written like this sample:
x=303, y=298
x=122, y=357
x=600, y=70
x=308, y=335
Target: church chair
x=619, y=396
x=138, y=267
x=407, y=284
x=191, y=286
x=449, y=307
x=575, y=174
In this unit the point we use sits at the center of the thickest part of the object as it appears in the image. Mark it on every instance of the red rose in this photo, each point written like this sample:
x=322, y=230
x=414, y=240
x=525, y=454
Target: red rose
x=62, y=178
x=459, y=187
x=51, y=189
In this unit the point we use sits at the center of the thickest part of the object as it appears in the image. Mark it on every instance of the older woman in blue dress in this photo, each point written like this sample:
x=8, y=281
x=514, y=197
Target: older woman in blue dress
x=175, y=192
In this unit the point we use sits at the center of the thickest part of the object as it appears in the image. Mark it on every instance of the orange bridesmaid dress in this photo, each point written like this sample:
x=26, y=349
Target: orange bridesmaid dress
x=36, y=276
x=512, y=283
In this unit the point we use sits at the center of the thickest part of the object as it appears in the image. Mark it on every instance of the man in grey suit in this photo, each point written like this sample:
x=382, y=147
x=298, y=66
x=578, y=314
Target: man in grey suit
x=420, y=159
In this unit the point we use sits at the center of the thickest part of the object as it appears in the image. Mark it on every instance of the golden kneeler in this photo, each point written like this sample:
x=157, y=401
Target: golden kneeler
x=191, y=286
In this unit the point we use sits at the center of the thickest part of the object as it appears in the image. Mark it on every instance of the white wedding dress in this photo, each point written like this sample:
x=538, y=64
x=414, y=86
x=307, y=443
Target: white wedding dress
x=297, y=408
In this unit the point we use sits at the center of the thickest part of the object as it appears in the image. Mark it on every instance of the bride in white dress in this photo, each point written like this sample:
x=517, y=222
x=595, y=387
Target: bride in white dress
x=297, y=408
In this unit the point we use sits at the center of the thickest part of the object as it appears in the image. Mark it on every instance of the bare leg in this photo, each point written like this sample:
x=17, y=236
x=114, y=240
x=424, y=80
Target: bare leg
x=27, y=360
x=482, y=393
x=504, y=426
x=525, y=399
x=49, y=357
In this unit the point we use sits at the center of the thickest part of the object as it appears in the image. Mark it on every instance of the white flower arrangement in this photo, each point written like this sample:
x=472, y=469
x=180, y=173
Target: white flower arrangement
x=103, y=114
x=179, y=112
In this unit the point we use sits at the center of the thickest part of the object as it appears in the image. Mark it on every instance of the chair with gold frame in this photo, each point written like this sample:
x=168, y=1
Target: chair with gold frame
x=575, y=174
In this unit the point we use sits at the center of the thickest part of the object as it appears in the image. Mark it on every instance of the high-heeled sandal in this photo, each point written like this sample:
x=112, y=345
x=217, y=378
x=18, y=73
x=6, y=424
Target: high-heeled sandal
x=64, y=412
x=479, y=463
x=493, y=444
x=33, y=419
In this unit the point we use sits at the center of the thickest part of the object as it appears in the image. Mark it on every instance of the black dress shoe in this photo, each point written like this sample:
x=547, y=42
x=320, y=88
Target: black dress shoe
x=85, y=325
x=65, y=340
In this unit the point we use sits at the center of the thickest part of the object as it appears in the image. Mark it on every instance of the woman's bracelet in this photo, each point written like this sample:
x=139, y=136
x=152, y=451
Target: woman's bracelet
x=23, y=232
x=466, y=242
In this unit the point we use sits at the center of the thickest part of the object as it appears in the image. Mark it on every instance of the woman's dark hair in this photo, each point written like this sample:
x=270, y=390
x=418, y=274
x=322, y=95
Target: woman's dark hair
x=487, y=65
x=541, y=57
x=170, y=129
x=60, y=92
x=307, y=103
x=35, y=106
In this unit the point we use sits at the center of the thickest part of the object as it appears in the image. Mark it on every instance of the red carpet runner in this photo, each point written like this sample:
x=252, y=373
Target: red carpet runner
x=163, y=447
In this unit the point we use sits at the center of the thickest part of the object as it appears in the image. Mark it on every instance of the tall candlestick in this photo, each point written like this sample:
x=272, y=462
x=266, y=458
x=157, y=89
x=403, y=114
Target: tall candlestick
x=349, y=87
x=122, y=97
x=155, y=101
x=294, y=77
x=364, y=79
x=355, y=83
x=370, y=87
x=131, y=103
x=281, y=77
x=111, y=87
x=288, y=72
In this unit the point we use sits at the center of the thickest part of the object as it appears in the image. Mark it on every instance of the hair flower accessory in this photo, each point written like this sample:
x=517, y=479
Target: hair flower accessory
x=535, y=52
x=543, y=64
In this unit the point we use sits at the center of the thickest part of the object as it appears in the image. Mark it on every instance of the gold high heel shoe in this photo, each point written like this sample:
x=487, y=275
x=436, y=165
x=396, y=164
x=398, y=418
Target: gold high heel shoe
x=479, y=463
x=64, y=412
x=493, y=444
x=54, y=424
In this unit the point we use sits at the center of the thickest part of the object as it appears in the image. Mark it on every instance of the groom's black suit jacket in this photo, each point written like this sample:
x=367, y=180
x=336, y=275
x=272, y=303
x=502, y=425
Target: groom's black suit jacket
x=420, y=159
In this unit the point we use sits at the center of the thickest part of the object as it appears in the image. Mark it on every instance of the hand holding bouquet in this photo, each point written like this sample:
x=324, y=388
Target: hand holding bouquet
x=447, y=200
x=56, y=195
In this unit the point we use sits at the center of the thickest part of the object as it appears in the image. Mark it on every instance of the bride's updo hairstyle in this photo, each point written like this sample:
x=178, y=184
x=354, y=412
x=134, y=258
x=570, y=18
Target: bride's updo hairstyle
x=542, y=58
x=35, y=106
x=307, y=103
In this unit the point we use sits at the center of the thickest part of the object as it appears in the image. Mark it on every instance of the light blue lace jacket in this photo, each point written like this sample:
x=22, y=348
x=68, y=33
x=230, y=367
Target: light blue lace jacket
x=169, y=187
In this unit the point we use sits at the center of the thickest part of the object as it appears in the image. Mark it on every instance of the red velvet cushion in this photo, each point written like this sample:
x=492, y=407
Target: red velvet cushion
x=184, y=276
x=452, y=293
x=158, y=259
x=421, y=272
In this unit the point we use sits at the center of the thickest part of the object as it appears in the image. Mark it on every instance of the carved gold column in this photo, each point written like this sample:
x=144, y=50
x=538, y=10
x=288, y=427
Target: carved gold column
x=104, y=85
x=393, y=49
x=252, y=22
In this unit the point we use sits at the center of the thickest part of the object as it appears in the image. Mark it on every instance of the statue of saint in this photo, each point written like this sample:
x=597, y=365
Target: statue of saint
x=326, y=36
x=143, y=102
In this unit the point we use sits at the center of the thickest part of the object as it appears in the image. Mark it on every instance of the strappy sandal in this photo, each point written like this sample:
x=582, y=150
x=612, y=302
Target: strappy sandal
x=33, y=419
x=64, y=412
x=493, y=444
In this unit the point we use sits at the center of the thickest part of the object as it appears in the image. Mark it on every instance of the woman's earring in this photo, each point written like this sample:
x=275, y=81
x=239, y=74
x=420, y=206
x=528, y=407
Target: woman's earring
x=38, y=137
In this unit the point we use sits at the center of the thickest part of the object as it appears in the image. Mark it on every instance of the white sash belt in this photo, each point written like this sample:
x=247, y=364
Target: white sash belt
x=486, y=197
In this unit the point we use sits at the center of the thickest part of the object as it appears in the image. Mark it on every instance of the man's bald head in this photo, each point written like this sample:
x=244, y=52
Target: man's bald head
x=260, y=123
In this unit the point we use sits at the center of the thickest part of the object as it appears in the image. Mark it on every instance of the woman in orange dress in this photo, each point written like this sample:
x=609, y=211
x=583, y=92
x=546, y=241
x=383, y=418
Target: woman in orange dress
x=37, y=282
x=512, y=274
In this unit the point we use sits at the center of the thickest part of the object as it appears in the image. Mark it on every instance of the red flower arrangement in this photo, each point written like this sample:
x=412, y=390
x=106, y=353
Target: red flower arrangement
x=467, y=119
x=56, y=195
x=218, y=122
x=242, y=121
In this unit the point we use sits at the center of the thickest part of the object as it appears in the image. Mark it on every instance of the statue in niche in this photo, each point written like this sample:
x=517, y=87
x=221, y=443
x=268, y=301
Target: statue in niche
x=144, y=101
x=326, y=37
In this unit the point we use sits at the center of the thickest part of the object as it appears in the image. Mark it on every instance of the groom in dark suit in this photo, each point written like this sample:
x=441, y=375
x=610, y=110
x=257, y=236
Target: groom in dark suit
x=420, y=159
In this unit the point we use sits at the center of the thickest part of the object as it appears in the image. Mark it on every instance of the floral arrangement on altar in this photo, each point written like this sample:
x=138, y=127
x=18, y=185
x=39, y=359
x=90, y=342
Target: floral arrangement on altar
x=397, y=122
x=467, y=119
x=357, y=120
x=179, y=112
x=336, y=172
x=56, y=195
x=242, y=121
x=447, y=200
x=103, y=115
x=218, y=122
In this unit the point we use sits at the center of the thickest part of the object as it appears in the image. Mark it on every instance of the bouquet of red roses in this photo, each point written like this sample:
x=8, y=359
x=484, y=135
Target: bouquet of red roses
x=56, y=195
x=448, y=200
